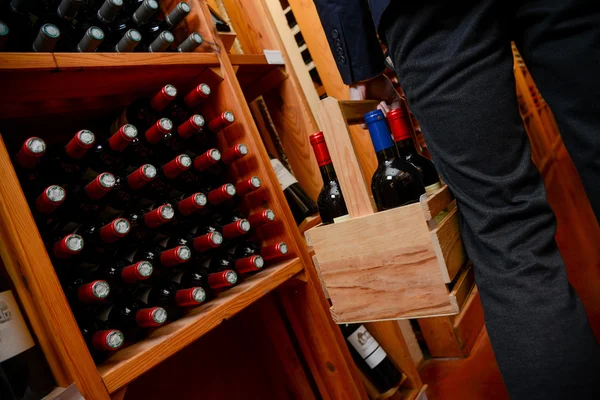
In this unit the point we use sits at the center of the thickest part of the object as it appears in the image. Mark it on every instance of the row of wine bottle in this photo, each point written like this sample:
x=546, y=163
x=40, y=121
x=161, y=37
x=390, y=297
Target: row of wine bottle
x=401, y=177
x=90, y=25
x=134, y=243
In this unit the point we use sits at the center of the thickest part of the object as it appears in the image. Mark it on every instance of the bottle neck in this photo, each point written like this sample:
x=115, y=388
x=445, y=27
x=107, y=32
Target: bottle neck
x=328, y=173
x=385, y=154
x=406, y=147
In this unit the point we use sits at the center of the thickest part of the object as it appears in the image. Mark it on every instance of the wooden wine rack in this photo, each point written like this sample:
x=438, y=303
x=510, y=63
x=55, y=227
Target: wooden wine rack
x=64, y=90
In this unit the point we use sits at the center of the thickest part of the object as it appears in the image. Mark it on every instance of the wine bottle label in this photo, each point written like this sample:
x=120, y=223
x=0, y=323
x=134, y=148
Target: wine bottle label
x=341, y=218
x=285, y=178
x=14, y=335
x=431, y=189
x=367, y=346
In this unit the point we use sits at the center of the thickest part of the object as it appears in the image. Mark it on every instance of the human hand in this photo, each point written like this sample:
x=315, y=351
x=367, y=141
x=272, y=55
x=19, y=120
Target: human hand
x=379, y=88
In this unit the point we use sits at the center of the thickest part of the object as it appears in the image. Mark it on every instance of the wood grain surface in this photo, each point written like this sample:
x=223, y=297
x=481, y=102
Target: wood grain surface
x=448, y=246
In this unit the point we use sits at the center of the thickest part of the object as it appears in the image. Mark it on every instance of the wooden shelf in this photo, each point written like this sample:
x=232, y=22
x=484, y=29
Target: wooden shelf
x=131, y=362
x=256, y=75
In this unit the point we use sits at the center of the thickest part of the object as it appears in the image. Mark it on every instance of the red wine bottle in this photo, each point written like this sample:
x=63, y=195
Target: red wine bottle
x=131, y=317
x=163, y=260
x=45, y=209
x=84, y=205
x=206, y=169
x=270, y=252
x=100, y=339
x=144, y=225
x=399, y=125
x=332, y=206
x=66, y=165
x=188, y=212
x=300, y=204
x=261, y=218
x=182, y=140
x=201, y=243
x=170, y=296
x=79, y=291
x=370, y=357
x=165, y=184
x=208, y=138
x=102, y=240
x=183, y=108
x=233, y=229
x=24, y=373
x=122, y=273
x=145, y=112
x=63, y=250
x=128, y=192
x=219, y=271
x=150, y=145
x=27, y=164
x=395, y=182
x=109, y=156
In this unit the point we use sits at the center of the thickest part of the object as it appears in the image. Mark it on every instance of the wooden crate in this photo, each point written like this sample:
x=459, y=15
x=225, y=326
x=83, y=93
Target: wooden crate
x=52, y=95
x=395, y=264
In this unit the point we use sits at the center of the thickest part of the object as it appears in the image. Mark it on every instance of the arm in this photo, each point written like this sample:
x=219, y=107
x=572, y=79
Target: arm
x=352, y=38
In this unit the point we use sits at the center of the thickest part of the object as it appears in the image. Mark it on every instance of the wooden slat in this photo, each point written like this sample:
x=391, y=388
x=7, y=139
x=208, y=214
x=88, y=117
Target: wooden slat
x=29, y=267
x=131, y=362
x=448, y=246
x=357, y=194
x=27, y=61
x=355, y=110
x=66, y=61
x=403, y=266
x=469, y=322
x=412, y=344
x=434, y=204
x=264, y=83
x=228, y=38
x=464, y=285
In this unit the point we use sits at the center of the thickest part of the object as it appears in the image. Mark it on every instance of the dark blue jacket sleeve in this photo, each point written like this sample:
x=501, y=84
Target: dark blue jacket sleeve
x=352, y=37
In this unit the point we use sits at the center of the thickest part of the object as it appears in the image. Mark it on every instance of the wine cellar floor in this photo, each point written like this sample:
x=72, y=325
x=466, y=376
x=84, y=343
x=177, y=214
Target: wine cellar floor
x=471, y=378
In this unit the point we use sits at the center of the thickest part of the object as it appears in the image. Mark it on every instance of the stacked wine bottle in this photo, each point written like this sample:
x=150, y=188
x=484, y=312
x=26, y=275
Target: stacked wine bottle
x=92, y=25
x=141, y=222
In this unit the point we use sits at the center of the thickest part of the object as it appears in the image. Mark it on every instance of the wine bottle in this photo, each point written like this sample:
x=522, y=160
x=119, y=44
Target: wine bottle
x=123, y=273
x=128, y=42
x=206, y=169
x=170, y=296
x=399, y=125
x=131, y=317
x=268, y=253
x=181, y=109
x=395, y=182
x=109, y=156
x=144, y=112
x=144, y=225
x=162, y=258
x=24, y=373
x=133, y=19
x=61, y=14
x=16, y=16
x=161, y=44
x=90, y=40
x=102, y=241
x=27, y=165
x=127, y=192
x=149, y=146
x=100, y=339
x=202, y=243
x=261, y=218
x=62, y=250
x=79, y=292
x=181, y=141
x=164, y=185
x=188, y=212
x=332, y=206
x=219, y=270
x=46, y=204
x=66, y=165
x=219, y=22
x=190, y=43
x=370, y=357
x=46, y=39
x=208, y=138
x=153, y=29
x=100, y=14
x=300, y=204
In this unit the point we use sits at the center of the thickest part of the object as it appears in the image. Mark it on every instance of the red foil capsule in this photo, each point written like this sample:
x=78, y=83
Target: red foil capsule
x=101, y=185
x=191, y=204
x=235, y=153
x=141, y=176
x=190, y=297
x=30, y=153
x=247, y=186
x=68, y=246
x=236, y=228
x=261, y=218
x=176, y=166
x=191, y=127
x=207, y=160
x=223, y=120
x=159, y=216
x=52, y=197
x=194, y=98
x=249, y=264
x=93, y=292
x=274, y=251
x=397, y=119
x=157, y=132
x=178, y=255
x=107, y=340
x=317, y=140
x=151, y=317
x=80, y=144
x=163, y=98
x=208, y=241
x=117, y=229
x=139, y=271
x=121, y=139
x=222, y=279
x=221, y=194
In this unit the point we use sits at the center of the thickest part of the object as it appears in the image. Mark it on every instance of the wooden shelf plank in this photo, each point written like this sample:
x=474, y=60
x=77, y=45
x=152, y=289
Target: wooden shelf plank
x=131, y=362
x=122, y=60
x=27, y=61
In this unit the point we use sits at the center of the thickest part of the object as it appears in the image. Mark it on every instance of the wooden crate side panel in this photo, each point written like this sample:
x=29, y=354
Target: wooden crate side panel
x=469, y=322
x=448, y=246
x=371, y=275
x=436, y=203
x=26, y=261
